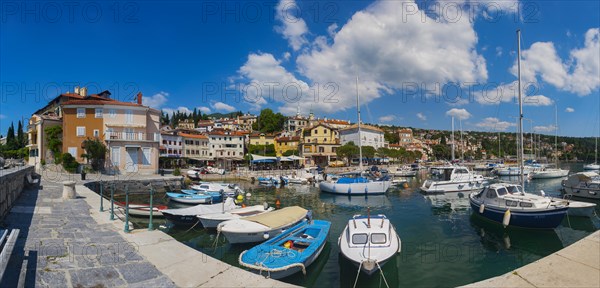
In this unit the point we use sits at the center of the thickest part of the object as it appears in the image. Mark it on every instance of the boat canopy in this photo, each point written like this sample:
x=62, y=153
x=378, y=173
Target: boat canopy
x=263, y=159
x=582, y=177
x=280, y=217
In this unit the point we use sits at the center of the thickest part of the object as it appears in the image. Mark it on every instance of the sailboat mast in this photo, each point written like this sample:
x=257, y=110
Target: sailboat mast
x=462, y=145
x=359, y=136
x=556, y=133
x=520, y=146
x=452, y=138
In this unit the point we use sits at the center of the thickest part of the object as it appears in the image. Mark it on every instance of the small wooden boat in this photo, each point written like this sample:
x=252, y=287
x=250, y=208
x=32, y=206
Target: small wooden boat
x=369, y=241
x=216, y=196
x=187, y=216
x=142, y=210
x=191, y=198
x=264, y=226
x=213, y=220
x=288, y=253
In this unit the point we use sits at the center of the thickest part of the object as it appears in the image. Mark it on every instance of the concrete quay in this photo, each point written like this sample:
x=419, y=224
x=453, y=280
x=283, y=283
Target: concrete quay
x=577, y=265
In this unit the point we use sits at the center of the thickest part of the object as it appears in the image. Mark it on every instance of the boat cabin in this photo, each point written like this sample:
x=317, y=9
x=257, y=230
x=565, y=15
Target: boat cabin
x=374, y=232
x=512, y=196
x=453, y=173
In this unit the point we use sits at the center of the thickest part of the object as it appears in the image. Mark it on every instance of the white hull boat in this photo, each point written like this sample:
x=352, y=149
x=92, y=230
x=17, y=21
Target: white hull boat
x=593, y=166
x=580, y=209
x=187, y=216
x=141, y=210
x=583, y=184
x=548, y=174
x=228, y=189
x=455, y=179
x=369, y=242
x=354, y=184
x=213, y=220
x=261, y=227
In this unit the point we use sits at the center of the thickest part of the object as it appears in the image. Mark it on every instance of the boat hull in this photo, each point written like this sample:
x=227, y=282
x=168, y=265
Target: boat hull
x=256, y=235
x=434, y=187
x=534, y=219
x=549, y=174
x=370, y=188
x=181, y=219
x=141, y=210
x=591, y=167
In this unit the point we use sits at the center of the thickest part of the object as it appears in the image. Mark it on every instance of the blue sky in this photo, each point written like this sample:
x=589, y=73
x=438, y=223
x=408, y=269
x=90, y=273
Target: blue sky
x=226, y=56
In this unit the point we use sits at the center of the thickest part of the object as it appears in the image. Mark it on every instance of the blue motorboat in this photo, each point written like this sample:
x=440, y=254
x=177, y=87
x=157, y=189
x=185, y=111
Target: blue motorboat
x=216, y=196
x=289, y=252
x=192, y=198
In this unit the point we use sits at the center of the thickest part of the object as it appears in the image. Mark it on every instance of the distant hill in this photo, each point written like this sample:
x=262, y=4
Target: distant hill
x=227, y=115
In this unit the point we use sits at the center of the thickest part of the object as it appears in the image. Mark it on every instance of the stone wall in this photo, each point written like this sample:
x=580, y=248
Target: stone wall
x=12, y=182
x=160, y=185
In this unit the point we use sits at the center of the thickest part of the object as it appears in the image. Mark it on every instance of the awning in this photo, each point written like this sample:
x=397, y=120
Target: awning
x=262, y=159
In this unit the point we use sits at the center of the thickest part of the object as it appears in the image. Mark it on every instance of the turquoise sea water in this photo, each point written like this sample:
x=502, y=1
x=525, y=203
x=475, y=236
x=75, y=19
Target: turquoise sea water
x=441, y=247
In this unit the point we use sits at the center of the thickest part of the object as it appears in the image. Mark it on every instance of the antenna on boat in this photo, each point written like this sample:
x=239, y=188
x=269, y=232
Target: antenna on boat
x=522, y=179
x=369, y=217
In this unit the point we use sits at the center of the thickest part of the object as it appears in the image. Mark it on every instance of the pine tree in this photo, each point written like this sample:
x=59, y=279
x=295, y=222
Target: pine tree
x=10, y=137
x=21, y=139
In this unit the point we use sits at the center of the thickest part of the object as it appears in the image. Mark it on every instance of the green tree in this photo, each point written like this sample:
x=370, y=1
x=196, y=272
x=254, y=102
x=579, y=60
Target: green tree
x=368, y=151
x=69, y=163
x=95, y=152
x=347, y=151
x=21, y=139
x=290, y=153
x=269, y=122
x=11, y=141
x=54, y=141
x=391, y=137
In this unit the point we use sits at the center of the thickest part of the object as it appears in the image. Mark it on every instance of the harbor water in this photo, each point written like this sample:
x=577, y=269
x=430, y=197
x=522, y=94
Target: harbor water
x=442, y=245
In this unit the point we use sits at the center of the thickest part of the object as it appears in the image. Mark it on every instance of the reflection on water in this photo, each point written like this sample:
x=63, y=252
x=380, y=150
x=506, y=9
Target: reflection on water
x=441, y=247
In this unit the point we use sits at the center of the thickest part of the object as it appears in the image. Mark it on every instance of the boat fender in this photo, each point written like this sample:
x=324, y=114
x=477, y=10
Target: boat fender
x=248, y=194
x=266, y=235
x=481, y=208
x=405, y=185
x=240, y=197
x=506, y=218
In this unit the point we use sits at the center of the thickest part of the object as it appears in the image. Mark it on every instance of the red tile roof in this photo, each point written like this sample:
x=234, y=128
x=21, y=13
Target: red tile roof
x=196, y=136
x=288, y=139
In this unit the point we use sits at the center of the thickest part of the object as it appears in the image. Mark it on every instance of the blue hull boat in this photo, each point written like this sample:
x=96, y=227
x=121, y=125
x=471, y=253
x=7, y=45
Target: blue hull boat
x=190, y=199
x=535, y=220
x=216, y=196
x=289, y=252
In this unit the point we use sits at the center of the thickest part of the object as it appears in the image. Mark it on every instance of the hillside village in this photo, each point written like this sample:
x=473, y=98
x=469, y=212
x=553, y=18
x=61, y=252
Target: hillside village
x=119, y=136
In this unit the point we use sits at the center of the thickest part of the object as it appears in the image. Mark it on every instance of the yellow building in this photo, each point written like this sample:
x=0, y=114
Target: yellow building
x=261, y=139
x=319, y=144
x=284, y=144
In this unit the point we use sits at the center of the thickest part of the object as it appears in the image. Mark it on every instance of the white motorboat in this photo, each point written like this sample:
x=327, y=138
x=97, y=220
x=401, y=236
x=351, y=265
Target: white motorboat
x=261, y=227
x=579, y=208
x=592, y=166
x=141, y=210
x=213, y=220
x=507, y=204
x=403, y=172
x=355, y=184
x=194, y=173
x=369, y=241
x=295, y=179
x=516, y=171
x=548, y=173
x=227, y=189
x=454, y=179
x=583, y=184
x=187, y=216
x=399, y=182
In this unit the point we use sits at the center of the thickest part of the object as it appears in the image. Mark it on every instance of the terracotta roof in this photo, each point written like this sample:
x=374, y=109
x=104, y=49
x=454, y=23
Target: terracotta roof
x=258, y=134
x=196, y=136
x=335, y=121
x=226, y=133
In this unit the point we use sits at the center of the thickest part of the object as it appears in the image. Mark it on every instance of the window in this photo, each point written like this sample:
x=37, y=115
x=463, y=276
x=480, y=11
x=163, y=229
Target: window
x=511, y=203
x=80, y=131
x=99, y=112
x=115, y=155
x=80, y=112
x=502, y=191
x=359, y=238
x=73, y=151
x=128, y=116
x=491, y=193
x=378, y=238
x=96, y=133
x=526, y=204
x=321, y=149
x=147, y=154
x=112, y=113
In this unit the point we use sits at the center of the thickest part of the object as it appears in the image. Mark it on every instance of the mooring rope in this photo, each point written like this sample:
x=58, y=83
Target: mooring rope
x=357, y=274
x=382, y=275
x=192, y=226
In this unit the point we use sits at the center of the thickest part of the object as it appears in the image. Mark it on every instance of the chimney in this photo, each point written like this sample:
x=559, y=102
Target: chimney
x=77, y=90
x=139, y=98
x=83, y=91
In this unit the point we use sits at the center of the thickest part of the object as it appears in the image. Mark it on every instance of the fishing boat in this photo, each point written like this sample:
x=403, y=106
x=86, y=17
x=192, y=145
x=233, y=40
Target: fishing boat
x=354, y=183
x=369, y=241
x=403, y=172
x=270, y=180
x=194, y=173
x=213, y=220
x=227, y=189
x=454, y=179
x=262, y=227
x=582, y=184
x=142, y=210
x=216, y=196
x=288, y=253
x=508, y=203
x=191, y=198
x=187, y=216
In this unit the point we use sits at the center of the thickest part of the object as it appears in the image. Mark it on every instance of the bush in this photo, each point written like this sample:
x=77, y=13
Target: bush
x=69, y=163
x=177, y=172
x=187, y=182
x=43, y=162
x=58, y=158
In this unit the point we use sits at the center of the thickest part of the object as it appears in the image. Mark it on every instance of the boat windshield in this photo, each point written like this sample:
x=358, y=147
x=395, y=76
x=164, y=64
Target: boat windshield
x=378, y=238
x=502, y=191
x=360, y=238
x=513, y=189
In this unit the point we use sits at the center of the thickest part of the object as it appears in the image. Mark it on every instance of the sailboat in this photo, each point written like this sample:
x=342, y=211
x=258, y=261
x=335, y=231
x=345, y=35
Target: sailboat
x=355, y=183
x=507, y=203
x=548, y=173
x=595, y=165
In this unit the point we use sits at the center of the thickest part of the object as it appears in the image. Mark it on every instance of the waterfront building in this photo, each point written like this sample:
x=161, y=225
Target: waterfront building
x=226, y=147
x=196, y=147
x=171, y=143
x=295, y=123
x=405, y=136
x=284, y=144
x=258, y=138
x=245, y=122
x=369, y=136
x=319, y=144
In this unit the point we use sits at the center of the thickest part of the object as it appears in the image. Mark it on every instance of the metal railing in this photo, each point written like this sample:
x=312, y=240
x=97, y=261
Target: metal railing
x=132, y=136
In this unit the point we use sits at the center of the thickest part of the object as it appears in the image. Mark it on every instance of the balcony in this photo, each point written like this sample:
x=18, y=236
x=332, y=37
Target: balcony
x=132, y=136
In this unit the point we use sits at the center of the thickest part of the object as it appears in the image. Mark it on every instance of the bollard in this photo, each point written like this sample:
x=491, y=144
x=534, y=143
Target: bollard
x=150, y=225
x=126, y=229
x=101, y=197
x=112, y=202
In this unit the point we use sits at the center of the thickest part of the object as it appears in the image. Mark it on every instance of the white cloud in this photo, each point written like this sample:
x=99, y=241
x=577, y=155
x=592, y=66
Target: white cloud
x=204, y=110
x=494, y=124
x=421, y=116
x=580, y=74
x=220, y=106
x=491, y=94
x=388, y=52
x=547, y=128
x=180, y=109
x=461, y=114
x=293, y=28
x=387, y=118
x=498, y=51
x=569, y=110
x=156, y=101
